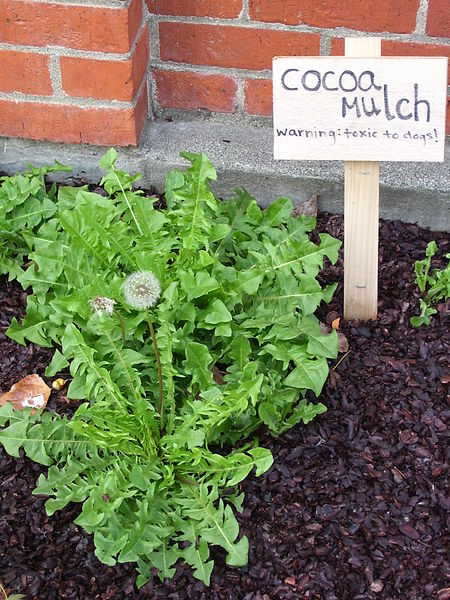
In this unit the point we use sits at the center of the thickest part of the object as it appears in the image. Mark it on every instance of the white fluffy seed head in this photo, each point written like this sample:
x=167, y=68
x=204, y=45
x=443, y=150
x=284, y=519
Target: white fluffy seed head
x=102, y=304
x=141, y=290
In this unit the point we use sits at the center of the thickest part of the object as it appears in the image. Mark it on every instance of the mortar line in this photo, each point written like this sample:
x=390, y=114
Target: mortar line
x=240, y=98
x=421, y=19
x=153, y=47
x=20, y=97
x=212, y=69
x=245, y=13
x=153, y=25
x=325, y=45
x=55, y=75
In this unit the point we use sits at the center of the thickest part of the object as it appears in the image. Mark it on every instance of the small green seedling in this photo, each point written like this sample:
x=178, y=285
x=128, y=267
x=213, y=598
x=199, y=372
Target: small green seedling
x=436, y=284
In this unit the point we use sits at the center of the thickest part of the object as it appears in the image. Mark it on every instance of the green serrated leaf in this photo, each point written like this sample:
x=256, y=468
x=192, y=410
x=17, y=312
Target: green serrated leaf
x=279, y=211
x=108, y=159
x=263, y=459
x=308, y=374
x=249, y=281
x=319, y=344
x=218, y=313
x=240, y=351
x=14, y=436
x=58, y=364
x=197, y=364
x=269, y=415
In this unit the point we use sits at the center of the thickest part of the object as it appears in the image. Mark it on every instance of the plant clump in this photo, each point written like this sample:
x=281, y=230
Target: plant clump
x=157, y=448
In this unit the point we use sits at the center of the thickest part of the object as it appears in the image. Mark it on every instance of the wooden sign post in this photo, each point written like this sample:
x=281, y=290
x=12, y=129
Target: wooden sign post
x=361, y=216
x=361, y=108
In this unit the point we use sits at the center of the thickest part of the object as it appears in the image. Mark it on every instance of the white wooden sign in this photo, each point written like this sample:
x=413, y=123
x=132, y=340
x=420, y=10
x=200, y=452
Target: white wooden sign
x=355, y=108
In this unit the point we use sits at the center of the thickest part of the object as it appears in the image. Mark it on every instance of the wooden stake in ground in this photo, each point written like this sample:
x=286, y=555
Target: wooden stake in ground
x=361, y=214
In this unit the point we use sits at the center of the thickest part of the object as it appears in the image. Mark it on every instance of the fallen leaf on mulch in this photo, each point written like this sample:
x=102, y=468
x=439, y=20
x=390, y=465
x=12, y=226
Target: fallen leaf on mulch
x=218, y=376
x=308, y=208
x=334, y=378
x=335, y=323
x=342, y=343
x=29, y=392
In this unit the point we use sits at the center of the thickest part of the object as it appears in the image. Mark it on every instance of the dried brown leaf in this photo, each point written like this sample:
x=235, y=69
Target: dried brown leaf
x=29, y=392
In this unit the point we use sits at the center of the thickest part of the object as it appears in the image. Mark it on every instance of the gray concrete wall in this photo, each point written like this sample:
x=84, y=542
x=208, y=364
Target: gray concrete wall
x=412, y=192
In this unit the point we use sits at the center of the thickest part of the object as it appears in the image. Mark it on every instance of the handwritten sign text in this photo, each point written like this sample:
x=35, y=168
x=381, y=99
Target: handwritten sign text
x=345, y=108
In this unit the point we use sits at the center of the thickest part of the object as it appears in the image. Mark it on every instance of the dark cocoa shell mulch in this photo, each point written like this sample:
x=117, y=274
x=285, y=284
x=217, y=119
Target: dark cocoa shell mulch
x=356, y=504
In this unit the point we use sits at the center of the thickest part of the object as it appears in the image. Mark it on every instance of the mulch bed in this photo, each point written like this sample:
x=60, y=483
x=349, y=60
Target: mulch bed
x=356, y=503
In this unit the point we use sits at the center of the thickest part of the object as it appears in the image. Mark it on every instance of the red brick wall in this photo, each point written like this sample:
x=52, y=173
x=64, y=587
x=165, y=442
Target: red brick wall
x=78, y=72
x=73, y=73
x=233, y=42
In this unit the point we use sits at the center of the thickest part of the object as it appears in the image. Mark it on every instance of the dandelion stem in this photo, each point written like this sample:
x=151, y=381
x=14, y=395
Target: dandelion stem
x=158, y=362
x=122, y=326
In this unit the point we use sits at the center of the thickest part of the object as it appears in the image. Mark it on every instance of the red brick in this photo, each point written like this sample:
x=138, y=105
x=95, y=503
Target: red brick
x=438, y=21
x=190, y=91
x=106, y=79
x=448, y=117
x=96, y=28
x=395, y=16
x=396, y=48
x=240, y=47
x=337, y=46
x=258, y=97
x=73, y=124
x=25, y=72
x=226, y=9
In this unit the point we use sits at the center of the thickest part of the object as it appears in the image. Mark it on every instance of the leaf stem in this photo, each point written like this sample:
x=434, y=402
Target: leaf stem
x=2, y=589
x=340, y=360
x=128, y=203
x=158, y=362
x=185, y=480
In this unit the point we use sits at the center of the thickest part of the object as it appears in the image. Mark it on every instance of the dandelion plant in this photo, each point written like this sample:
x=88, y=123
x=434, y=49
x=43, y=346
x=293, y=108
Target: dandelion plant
x=145, y=307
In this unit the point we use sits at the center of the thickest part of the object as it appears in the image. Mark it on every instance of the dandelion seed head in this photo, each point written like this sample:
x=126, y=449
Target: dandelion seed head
x=141, y=289
x=102, y=304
